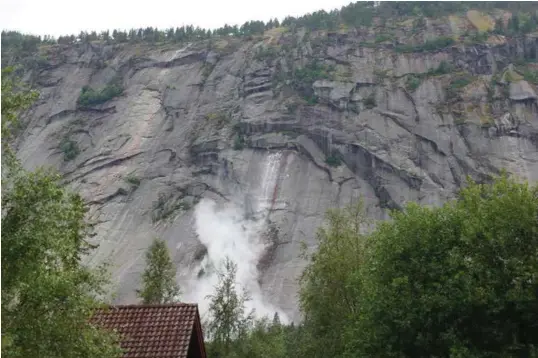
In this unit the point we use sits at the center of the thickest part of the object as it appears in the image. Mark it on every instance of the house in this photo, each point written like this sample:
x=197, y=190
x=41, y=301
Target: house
x=155, y=331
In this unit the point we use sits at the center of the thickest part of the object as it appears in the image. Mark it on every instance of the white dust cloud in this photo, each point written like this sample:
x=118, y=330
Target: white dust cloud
x=230, y=231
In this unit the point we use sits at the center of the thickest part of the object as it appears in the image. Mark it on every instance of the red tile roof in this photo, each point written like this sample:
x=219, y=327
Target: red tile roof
x=153, y=331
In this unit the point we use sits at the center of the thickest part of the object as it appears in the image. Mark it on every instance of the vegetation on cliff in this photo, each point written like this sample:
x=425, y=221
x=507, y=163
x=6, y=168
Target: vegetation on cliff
x=90, y=97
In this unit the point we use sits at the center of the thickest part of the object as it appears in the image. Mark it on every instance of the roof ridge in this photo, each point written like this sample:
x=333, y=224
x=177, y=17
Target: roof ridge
x=154, y=305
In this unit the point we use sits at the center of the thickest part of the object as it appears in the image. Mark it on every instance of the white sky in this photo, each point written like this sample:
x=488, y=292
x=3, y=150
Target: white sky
x=64, y=17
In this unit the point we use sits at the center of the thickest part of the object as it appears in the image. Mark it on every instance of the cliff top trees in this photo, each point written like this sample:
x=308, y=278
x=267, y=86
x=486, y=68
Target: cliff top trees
x=159, y=278
x=356, y=14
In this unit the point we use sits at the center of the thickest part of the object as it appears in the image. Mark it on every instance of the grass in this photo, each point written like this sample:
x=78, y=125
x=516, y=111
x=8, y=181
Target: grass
x=512, y=76
x=480, y=21
x=368, y=44
x=431, y=45
x=342, y=73
x=220, y=119
x=275, y=31
x=477, y=37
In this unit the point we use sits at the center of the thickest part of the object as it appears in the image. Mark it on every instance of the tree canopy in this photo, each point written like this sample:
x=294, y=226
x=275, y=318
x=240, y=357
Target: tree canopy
x=48, y=296
x=229, y=322
x=459, y=280
x=456, y=281
x=159, y=278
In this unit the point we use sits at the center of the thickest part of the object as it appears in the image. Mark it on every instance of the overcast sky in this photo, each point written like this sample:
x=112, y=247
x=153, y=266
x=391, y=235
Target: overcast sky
x=61, y=17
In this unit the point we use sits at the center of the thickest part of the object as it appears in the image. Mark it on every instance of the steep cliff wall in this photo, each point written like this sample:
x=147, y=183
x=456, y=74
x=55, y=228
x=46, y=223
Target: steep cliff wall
x=238, y=147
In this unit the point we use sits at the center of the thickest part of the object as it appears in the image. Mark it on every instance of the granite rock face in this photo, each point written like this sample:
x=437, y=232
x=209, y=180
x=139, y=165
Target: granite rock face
x=198, y=122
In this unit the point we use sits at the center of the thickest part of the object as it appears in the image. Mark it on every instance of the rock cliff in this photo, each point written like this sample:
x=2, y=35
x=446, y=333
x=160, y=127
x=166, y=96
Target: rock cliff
x=239, y=146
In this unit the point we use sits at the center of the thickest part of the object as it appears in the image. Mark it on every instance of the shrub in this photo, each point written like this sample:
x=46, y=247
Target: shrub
x=303, y=78
x=333, y=161
x=383, y=38
x=431, y=45
x=380, y=75
x=163, y=208
x=90, y=97
x=291, y=107
x=460, y=82
x=369, y=102
x=266, y=53
x=412, y=83
x=479, y=37
x=531, y=76
x=311, y=100
x=133, y=180
x=239, y=142
x=456, y=84
x=313, y=71
x=70, y=149
x=418, y=24
x=443, y=69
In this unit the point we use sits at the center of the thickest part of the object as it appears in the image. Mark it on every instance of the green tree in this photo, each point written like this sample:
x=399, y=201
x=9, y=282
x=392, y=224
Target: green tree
x=158, y=280
x=265, y=339
x=456, y=281
x=16, y=97
x=48, y=296
x=326, y=300
x=228, y=323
